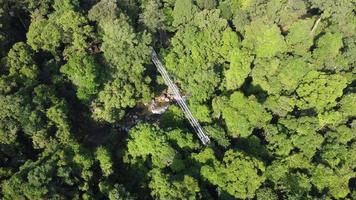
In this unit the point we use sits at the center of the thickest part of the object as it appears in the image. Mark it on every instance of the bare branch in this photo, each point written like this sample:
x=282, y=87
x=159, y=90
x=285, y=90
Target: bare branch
x=315, y=26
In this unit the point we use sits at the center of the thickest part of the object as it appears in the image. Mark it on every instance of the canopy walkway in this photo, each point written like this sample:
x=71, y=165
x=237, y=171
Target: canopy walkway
x=181, y=102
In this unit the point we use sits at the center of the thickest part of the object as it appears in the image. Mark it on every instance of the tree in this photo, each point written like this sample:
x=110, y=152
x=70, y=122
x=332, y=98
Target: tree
x=347, y=103
x=280, y=105
x=149, y=143
x=41, y=7
x=10, y=117
x=76, y=30
x=193, y=55
x=184, y=140
x=342, y=134
x=104, y=158
x=338, y=15
x=320, y=91
x=152, y=16
x=125, y=53
x=304, y=135
x=278, y=140
x=238, y=174
x=163, y=187
x=218, y=134
x=287, y=13
x=241, y=114
x=264, y=39
x=115, y=192
x=112, y=100
x=299, y=39
x=48, y=121
x=291, y=73
x=264, y=75
x=266, y=194
x=104, y=10
x=21, y=64
x=349, y=48
x=327, y=50
x=291, y=175
x=44, y=35
x=173, y=118
x=271, y=82
x=64, y=26
x=200, y=111
x=58, y=117
x=183, y=12
x=206, y=4
x=239, y=69
x=336, y=182
x=282, y=77
x=82, y=70
x=49, y=175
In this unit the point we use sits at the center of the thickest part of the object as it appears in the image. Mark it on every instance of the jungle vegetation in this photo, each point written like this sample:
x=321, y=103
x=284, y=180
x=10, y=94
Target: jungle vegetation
x=273, y=82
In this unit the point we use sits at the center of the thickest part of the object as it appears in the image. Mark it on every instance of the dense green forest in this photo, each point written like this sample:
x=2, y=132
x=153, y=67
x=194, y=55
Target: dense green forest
x=273, y=83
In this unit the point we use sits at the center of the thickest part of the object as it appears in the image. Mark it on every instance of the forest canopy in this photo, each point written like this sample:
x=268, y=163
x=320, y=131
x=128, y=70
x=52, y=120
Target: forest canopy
x=272, y=82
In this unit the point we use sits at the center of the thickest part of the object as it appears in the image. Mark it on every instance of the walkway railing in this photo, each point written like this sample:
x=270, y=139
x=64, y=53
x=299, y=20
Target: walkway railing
x=181, y=102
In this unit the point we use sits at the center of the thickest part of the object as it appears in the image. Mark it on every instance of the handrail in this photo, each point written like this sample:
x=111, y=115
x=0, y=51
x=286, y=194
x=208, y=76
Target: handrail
x=181, y=102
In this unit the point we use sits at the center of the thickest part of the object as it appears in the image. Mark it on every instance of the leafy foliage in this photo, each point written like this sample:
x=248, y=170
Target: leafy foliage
x=271, y=82
x=328, y=89
x=126, y=58
x=241, y=115
x=265, y=39
x=82, y=71
x=148, y=141
x=237, y=174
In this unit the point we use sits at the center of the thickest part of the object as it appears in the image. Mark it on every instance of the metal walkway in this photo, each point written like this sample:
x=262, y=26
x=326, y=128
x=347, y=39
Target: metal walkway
x=181, y=102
